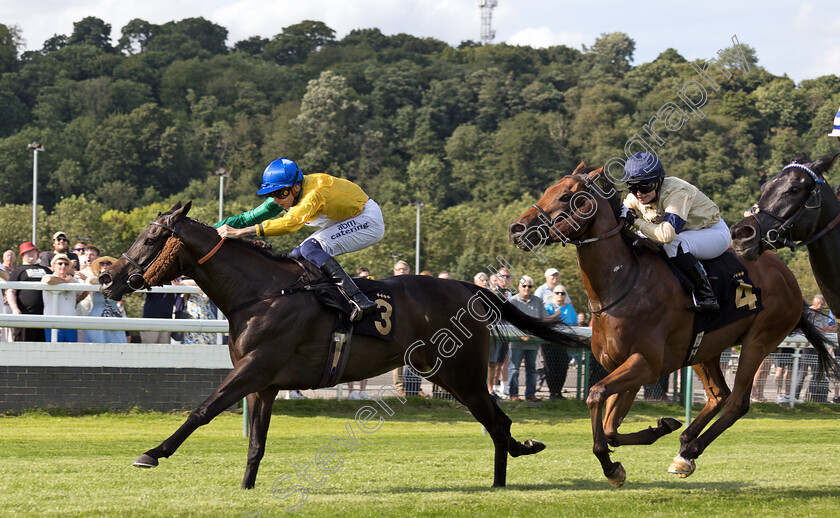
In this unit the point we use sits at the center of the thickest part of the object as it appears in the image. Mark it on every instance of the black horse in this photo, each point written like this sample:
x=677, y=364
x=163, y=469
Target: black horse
x=280, y=332
x=797, y=208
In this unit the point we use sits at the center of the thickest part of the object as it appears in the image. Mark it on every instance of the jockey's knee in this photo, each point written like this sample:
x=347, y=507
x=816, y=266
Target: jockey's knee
x=312, y=251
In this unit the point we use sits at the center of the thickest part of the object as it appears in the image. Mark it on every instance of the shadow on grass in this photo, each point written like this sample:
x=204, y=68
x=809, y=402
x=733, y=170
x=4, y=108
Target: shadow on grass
x=576, y=485
x=731, y=487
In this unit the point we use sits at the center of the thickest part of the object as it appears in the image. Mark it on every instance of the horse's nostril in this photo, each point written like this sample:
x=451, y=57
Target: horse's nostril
x=516, y=228
x=746, y=232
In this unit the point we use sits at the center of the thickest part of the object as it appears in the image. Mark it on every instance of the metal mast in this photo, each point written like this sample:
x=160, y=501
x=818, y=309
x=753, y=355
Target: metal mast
x=487, y=32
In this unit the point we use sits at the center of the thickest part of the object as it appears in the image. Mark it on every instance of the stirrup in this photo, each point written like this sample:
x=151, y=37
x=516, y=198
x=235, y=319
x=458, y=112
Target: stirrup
x=704, y=305
x=357, y=312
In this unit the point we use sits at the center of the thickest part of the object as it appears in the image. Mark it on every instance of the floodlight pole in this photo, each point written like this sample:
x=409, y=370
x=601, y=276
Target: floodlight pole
x=35, y=147
x=417, y=204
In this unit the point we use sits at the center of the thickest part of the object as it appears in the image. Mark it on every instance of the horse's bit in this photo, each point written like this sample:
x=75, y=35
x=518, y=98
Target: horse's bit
x=548, y=222
x=136, y=281
x=779, y=235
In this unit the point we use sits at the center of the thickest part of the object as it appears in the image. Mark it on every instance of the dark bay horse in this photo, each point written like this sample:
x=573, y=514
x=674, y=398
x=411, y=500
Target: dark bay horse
x=641, y=328
x=279, y=332
x=797, y=208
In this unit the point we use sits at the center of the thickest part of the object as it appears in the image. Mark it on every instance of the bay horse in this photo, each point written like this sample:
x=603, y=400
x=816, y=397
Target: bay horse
x=797, y=208
x=641, y=328
x=279, y=332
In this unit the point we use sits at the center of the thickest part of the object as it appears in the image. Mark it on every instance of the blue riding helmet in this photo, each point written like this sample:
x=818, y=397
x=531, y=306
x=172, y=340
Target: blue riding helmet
x=643, y=166
x=280, y=173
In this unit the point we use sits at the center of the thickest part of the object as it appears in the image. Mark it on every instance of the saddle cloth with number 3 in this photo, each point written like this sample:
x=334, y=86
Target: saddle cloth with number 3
x=379, y=323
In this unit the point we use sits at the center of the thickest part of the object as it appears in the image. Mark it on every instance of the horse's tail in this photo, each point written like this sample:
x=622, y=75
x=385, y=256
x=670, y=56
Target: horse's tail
x=550, y=330
x=820, y=343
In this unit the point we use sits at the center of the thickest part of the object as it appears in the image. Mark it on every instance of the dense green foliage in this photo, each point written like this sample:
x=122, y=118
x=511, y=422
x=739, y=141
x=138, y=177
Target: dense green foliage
x=475, y=132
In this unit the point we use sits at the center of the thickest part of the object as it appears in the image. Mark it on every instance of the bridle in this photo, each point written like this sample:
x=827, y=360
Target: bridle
x=547, y=222
x=780, y=235
x=137, y=281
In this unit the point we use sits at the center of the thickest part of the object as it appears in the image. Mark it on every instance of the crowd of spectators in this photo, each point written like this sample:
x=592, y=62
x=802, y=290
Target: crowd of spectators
x=82, y=265
x=544, y=366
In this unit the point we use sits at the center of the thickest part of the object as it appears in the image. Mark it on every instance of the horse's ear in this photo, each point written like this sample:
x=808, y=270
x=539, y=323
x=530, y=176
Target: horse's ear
x=580, y=166
x=179, y=212
x=801, y=158
x=824, y=164
x=596, y=173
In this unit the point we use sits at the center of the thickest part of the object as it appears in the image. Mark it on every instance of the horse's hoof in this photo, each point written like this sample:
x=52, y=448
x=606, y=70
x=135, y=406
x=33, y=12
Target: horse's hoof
x=533, y=446
x=618, y=476
x=145, y=461
x=682, y=467
x=670, y=423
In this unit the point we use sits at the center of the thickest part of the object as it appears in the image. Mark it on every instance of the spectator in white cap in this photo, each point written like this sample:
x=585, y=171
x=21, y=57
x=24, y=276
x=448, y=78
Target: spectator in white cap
x=546, y=291
x=836, y=131
x=61, y=245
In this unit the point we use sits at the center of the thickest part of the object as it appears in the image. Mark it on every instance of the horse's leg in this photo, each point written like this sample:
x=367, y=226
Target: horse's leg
x=241, y=381
x=717, y=392
x=616, y=409
x=737, y=403
x=487, y=412
x=634, y=372
x=259, y=406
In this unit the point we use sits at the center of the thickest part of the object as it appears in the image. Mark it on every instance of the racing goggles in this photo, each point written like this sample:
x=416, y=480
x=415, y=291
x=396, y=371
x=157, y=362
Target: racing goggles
x=282, y=193
x=643, y=187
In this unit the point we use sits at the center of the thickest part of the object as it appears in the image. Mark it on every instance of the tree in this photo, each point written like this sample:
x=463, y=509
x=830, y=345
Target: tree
x=612, y=53
x=328, y=124
x=781, y=104
x=208, y=35
x=296, y=42
x=57, y=41
x=92, y=31
x=10, y=42
x=255, y=45
x=136, y=35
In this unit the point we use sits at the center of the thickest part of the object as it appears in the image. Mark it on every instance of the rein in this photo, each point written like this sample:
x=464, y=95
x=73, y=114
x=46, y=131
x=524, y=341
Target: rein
x=779, y=235
x=140, y=280
x=548, y=222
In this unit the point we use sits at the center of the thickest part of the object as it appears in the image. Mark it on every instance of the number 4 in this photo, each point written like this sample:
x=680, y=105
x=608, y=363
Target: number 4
x=744, y=296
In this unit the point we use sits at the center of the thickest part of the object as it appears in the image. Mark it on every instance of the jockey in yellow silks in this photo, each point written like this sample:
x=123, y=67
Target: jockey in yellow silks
x=348, y=218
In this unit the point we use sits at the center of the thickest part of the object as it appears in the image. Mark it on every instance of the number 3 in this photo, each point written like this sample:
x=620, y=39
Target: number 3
x=383, y=327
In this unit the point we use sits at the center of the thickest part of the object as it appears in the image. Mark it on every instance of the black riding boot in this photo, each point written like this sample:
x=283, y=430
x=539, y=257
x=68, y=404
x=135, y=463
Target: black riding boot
x=704, y=297
x=360, y=304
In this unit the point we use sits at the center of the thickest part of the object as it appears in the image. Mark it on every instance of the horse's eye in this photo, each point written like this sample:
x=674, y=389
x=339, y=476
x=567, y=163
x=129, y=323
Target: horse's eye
x=795, y=190
x=565, y=198
x=149, y=241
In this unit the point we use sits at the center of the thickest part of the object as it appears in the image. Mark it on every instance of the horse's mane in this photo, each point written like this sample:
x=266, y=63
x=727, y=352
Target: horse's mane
x=639, y=244
x=607, y=187
x=260, y=247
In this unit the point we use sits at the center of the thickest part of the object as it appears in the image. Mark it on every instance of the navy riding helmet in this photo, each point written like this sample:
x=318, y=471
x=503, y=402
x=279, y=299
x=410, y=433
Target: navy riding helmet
x=643, y=166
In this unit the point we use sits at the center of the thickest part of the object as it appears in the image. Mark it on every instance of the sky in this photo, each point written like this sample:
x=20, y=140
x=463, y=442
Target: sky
x=797, y=38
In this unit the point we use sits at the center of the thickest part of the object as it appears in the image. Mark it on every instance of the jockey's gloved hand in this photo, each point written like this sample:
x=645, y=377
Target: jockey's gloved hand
x=627, y=215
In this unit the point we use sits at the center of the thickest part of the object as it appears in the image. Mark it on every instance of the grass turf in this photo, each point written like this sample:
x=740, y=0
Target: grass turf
x=428, y=459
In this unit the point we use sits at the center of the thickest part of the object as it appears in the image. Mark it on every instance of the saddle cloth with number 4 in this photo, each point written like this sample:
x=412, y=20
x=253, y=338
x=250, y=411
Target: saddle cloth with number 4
x=737, y=297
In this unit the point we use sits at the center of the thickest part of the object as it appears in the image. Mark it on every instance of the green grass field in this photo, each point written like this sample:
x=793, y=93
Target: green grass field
x=428, y=459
